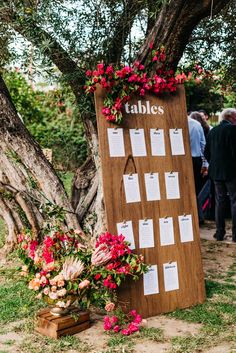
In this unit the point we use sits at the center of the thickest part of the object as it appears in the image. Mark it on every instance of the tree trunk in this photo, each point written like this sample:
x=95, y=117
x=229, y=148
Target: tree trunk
x=27, y=176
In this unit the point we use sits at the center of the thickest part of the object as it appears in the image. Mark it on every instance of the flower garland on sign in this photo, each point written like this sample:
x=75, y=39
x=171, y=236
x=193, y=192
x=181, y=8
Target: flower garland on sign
x=122, y=82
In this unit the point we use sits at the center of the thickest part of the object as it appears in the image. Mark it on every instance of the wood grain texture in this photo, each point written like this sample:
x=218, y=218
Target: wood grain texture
x=187, y=255
x=55, y=327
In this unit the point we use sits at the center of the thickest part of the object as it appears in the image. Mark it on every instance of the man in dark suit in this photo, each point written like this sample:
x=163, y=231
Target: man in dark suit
x=220, y=152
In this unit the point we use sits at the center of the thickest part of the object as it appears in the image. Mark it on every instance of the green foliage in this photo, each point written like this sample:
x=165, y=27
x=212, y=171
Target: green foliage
x=203, y=96
x=52, y=118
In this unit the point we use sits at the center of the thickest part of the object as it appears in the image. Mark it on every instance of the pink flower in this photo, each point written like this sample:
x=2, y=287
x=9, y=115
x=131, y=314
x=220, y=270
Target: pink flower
x=116, y=328
x=48, y=242
x=46, y=291
x=125, y=332
x=100, y=66
x=85, y=283
x=106, y=111
x=88, y=73
x=114, y=319
x=109, y=306
x=107, y=323
x=20, y=238
x=109, y=70
x=101, y=255
x=137, y=319
x=133, y=327
x=133, y=312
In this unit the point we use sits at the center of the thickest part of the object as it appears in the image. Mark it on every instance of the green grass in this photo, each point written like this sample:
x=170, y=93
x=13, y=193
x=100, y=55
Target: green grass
x=39, y=344
x=118, y=343
x=152, y=334
x=2, y=232
x=16, y=300
x=212, y=312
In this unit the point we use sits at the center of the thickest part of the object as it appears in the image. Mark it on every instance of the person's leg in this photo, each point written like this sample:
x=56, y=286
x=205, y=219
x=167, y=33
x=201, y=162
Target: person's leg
x=221, y=202
x=231, y=187
x=197, y=166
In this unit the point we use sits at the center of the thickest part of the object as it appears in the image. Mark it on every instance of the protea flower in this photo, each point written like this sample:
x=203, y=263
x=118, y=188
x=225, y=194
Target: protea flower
x=72, y=268
x=101, y=255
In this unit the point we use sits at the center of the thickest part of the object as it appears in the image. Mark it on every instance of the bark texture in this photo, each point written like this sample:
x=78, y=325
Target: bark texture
x=27, y=179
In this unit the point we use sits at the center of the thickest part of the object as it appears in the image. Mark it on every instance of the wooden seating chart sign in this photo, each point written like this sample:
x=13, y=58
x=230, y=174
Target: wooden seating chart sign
x=150, y=198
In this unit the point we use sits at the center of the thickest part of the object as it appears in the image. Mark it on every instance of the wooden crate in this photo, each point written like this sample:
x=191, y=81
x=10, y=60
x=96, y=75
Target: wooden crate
x=55, y=327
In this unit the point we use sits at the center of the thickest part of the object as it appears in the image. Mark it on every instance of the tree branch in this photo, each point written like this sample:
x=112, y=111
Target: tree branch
x=174, y=26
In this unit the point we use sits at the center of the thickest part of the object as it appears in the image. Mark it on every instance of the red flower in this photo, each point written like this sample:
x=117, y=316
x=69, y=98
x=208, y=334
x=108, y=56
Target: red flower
x=88, y=73
x=109, y=70
x=97, y=276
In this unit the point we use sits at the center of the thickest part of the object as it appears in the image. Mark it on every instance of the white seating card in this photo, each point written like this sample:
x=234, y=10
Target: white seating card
x=171, y=279
x=172, y=185
x=157, y=142
x=116, y=142
x=126, y=229
x=150, y=281
x=138, y=142
x=166, y=231
x=152, y=186
x=176, y=142
x=132, y=191
x=146, y=233
x=185, y=228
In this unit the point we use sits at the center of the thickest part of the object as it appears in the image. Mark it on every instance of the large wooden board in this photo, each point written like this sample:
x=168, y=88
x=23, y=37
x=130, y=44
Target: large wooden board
x=188, y=255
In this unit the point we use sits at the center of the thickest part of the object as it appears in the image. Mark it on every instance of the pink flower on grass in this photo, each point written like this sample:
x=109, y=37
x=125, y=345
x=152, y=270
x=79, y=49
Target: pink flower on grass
x=125, y=332
x=116, y=328
x=133, y=327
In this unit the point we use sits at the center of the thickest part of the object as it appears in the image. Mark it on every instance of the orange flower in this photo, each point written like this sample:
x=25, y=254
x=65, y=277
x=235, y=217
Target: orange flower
x=34, y=284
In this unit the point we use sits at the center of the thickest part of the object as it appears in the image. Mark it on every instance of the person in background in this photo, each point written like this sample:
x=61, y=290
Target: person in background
x=198, y=116
x=205, y=116
x=220, y=152
x=200, y=165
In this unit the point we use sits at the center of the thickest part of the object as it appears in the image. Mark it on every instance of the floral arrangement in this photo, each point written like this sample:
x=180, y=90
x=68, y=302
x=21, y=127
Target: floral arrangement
x=122, y=82
x=62, y=270
x=126, y=324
